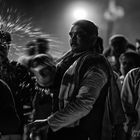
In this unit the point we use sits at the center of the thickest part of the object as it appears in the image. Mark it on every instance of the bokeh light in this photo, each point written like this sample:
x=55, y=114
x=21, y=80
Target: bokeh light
x=79, y=13
x=81, y=10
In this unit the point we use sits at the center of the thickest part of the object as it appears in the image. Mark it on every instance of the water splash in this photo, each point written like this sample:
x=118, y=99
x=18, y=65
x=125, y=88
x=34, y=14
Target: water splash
x=21, y=29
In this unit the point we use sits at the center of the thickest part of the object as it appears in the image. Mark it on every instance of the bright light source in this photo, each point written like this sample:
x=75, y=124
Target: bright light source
x=81, y=10
x=79, y=13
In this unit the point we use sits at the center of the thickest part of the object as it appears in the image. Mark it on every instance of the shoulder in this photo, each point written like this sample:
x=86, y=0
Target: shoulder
x=134, y=72
x=132, y=77
x=91, y=61
x=92, y=57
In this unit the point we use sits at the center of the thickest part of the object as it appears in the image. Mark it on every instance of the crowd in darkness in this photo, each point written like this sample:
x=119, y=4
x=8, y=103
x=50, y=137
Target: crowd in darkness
x=90, y=93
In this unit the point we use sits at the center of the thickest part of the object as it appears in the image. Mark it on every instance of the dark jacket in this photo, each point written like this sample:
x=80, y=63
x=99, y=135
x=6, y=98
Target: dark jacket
x=9, y=119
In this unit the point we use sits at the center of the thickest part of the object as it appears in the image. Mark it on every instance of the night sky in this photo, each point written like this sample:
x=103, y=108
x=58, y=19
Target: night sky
x=54, y=17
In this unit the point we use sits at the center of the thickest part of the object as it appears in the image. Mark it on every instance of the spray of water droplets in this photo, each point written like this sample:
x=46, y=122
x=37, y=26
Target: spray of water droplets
x=21, y=28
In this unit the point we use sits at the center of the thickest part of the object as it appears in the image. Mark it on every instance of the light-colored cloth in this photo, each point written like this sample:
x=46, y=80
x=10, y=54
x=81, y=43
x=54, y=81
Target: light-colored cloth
x=131, y=100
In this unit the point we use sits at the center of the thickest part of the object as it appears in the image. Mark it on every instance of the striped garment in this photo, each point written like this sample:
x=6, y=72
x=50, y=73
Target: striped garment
x=83, y=86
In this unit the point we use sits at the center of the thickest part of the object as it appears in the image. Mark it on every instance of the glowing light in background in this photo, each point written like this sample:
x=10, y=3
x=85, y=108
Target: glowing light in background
x=79, y=13
x=81, y=10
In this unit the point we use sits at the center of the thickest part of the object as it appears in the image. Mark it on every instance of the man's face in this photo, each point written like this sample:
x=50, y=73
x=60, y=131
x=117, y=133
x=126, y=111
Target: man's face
x=79, y=39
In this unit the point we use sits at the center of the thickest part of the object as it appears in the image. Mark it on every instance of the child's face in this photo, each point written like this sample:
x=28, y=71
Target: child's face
x=43, y=70
x=44, y=75
x=125, y=65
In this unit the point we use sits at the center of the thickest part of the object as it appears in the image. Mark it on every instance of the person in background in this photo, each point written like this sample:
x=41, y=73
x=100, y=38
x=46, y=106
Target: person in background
x=82, y=78
x=128, y=61
x=131, y=47
x=131, y=103
x=118, y=45
x=29, y=52
x=38, y=46
x=43, y=65
x=19, y=79
x=36, y=59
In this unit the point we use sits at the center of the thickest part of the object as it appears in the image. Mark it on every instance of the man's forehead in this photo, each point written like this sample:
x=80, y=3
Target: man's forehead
x=76, y=28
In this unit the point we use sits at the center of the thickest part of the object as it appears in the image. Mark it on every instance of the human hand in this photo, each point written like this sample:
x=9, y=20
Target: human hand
x=37, y=126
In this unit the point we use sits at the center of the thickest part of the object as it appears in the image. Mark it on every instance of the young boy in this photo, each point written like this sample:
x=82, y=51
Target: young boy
x=41, y=66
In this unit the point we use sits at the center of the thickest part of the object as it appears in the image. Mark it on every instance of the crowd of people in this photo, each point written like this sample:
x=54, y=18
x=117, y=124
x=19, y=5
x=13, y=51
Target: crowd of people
x=90, y=93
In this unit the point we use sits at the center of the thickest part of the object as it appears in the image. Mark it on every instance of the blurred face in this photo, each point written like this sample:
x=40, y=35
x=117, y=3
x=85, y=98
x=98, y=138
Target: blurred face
x=43, y=75
x=31, y=50
x=79, y=39
x=125, y=66
x=43, y=72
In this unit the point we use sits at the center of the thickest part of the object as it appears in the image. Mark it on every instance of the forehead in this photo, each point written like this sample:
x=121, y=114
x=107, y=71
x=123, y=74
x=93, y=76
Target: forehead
x=77, y=28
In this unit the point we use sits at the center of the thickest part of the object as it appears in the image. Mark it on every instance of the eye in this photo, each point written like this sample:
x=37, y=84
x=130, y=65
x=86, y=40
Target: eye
x=81, y=34
x=44, y=72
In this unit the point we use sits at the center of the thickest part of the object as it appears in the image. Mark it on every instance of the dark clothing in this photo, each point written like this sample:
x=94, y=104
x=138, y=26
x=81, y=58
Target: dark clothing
x=9, y=119
x=42, y=107
x=42, y=104
x=21, y=84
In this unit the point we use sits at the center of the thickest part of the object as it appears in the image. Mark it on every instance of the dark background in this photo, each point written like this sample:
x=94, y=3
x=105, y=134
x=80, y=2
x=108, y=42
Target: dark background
x=54, y=17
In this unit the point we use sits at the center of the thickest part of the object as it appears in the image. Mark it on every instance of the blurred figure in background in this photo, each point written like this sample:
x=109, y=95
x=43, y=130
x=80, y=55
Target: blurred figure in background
x=34, y=47
x=118, y=45
x=128, y=61
x=130, y=96
x=29, y=52
x=42, y=45
x=10, y=73
x=19, y=79
x=42, y=65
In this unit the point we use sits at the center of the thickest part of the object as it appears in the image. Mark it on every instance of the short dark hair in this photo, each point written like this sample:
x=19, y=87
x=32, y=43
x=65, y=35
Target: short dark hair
x=132, y=57
x=118, y=39
x=42, y=44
